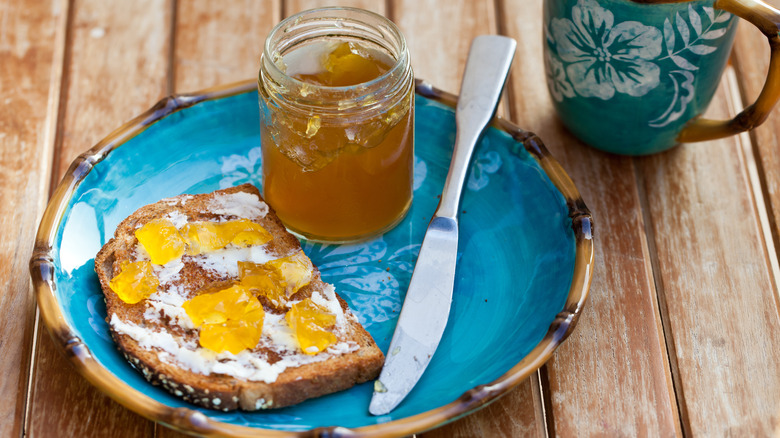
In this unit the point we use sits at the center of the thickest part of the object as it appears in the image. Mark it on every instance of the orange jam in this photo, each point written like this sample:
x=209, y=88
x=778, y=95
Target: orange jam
x=164, y=242
x=262, y=280
x=230, y=319
x=310, y=321
x=210, y=236
x=277, y=279
x=340, y=64
x=337, y=164
x=161, y=240
x=135, y=281
x=233, y=335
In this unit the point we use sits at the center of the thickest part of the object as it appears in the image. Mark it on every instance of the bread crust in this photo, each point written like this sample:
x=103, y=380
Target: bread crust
x=220, y=391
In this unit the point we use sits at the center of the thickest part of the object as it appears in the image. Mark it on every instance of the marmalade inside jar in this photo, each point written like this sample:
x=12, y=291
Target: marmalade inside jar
x=332, y=176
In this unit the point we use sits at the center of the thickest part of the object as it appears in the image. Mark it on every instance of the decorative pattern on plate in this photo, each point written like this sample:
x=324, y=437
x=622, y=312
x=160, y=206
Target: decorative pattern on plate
x=486, y=163
x=357, y=271
x=238, y=169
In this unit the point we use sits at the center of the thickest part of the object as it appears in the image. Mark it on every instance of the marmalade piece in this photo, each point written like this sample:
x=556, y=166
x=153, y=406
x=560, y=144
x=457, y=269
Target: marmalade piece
x=230, y=320
x=218, y=307
x=135, y=281
x=296, y=270
x=234, y=335
x=203, y=237
x=278, y=279
x=345, y=65
x=161, y=240
x=264, y=280
x=244, y=232
x=309, y=321
x=210, y=236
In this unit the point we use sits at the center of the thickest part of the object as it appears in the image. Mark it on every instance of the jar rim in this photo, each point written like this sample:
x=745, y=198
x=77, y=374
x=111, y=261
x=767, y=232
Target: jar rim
x=401, y=60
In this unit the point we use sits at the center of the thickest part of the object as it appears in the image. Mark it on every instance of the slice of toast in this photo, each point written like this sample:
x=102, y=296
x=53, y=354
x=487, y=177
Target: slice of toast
x=159, y=339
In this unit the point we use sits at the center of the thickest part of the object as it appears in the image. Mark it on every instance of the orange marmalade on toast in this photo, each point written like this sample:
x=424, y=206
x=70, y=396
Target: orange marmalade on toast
x=337, y=121
x=249, y=311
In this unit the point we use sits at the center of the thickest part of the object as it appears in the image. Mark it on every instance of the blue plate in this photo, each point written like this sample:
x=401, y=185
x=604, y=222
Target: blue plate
x=524, y=266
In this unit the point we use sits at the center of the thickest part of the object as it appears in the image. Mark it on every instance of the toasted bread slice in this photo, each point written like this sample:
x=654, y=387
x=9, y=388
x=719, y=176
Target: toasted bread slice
x=159, y=339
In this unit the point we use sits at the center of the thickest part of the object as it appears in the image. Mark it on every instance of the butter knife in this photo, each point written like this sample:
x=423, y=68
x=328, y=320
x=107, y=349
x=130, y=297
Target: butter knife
x=427, y=304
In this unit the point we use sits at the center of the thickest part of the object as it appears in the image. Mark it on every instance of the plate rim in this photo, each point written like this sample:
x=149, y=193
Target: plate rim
x=189, y=420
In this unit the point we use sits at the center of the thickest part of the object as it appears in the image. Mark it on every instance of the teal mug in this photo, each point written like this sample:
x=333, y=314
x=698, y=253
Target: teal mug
x=632, y=77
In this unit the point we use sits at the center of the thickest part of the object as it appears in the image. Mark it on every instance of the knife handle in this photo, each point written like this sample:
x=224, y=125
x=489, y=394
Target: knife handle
x=490, y=57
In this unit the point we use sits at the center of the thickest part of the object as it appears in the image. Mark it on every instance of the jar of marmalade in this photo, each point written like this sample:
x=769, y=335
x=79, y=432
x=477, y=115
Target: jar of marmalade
x=337, y=124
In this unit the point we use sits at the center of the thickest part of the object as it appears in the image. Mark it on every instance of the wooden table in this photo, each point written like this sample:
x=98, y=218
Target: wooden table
x=680, y=335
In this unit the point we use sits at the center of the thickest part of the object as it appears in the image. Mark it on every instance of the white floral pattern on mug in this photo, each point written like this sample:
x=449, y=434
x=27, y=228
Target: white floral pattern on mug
x=557, y=83
x=604, y=58
x=600, y=58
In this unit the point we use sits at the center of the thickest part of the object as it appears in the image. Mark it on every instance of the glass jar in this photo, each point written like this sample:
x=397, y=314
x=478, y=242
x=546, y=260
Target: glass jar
x=337, y=124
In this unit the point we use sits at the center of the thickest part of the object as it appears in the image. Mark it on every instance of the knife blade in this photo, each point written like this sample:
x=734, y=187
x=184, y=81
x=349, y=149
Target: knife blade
x=428, y=300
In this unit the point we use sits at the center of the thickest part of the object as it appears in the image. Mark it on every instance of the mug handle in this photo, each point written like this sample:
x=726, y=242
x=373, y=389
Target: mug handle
x=767, y=20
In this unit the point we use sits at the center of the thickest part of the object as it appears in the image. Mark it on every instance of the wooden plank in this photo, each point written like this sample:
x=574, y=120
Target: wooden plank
x=439, y=35
x=295, y=6
x=516, y=414
x=218, y=42
x=31, y=47
x=722, y=299
x=611, y=377
x=117, y=66
x=751, y=62
x=717, y=283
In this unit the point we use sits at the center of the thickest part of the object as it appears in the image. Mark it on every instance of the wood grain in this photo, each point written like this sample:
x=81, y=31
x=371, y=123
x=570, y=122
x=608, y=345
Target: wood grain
x=611, y=377
x=516, y=414
x=295, y=6
x=751, y=61
x=717, y=285
x=117, y=66
x=439, y=35
x=28, y=62
x=218, y=42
